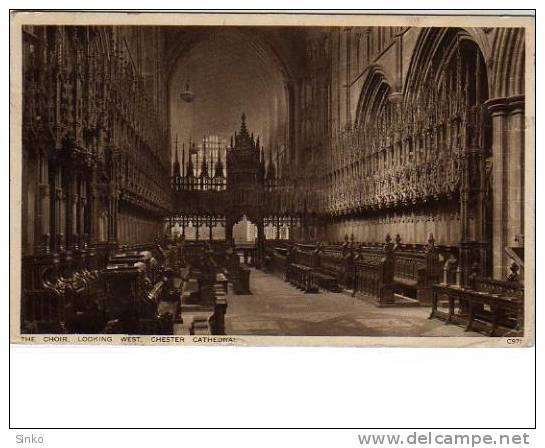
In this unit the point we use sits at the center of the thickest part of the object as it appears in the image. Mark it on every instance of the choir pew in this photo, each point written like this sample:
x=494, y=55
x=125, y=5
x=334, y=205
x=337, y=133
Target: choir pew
x=373, y=274
x=276, y=259
x=238, y=274
x=203, y=300
x=299, y=268
x=62, y=293
x=189, y=255
x=325, y=270
x=417, y=267
x=134, y=297
x=493, y=307
x=407, y=270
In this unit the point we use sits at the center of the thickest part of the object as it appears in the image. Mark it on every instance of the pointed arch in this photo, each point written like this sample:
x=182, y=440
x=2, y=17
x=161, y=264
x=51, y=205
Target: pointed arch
x=507, y=64
x=264, y=49
x=374, y=95
x=434, y=54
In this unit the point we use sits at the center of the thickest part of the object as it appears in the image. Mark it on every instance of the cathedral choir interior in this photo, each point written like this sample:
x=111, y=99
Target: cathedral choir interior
x=282, y=181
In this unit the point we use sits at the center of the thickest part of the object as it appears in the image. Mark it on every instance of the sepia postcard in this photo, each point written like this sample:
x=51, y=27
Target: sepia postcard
x=272, y=179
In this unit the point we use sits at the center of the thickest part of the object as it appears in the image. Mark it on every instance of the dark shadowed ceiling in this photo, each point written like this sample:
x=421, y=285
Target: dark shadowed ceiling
x=232, y=70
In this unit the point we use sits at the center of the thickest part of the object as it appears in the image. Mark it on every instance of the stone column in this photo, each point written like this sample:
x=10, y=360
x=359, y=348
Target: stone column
x=43, y=233
x=112, y=216
x=515, y=175
x=72, y=212
x=507, y=178
x=82, y=225
x=56, y=231
x=93, y=212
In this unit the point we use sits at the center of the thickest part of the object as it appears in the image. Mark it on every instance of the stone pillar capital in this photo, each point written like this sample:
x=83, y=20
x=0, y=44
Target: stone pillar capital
x=505, y=105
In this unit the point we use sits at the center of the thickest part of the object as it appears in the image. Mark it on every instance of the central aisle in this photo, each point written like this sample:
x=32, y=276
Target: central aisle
x=277, y=308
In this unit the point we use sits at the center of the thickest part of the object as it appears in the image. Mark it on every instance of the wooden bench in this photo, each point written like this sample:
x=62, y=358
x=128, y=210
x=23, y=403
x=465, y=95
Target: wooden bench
x=240, y=278
x=416, y=269
x=133, y=302
x=299, y=275
x=325, y=271
x=276, y=260
x=203, y=302
x=410, y=271
x=491, y=305
x=373, y=274
x=406, y=267
x=324, y=279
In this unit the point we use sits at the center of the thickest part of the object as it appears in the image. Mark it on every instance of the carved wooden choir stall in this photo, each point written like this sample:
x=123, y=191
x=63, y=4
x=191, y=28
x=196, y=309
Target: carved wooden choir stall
x=390, y=184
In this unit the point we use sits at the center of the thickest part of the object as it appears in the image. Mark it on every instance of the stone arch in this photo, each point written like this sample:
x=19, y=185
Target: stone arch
x=497, y=77
x=374, y=93
x=268, y=66
x=507, y=63
x=260, y=44
x=435, y=50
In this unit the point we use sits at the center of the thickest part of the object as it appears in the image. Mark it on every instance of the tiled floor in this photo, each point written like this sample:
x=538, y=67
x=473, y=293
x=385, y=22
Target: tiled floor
x=277, y=308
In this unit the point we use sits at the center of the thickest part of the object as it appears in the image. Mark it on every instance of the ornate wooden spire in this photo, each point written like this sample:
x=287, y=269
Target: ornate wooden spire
x=218, y=171
x=243, y=129
x=271, y=169
x=176, y=166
